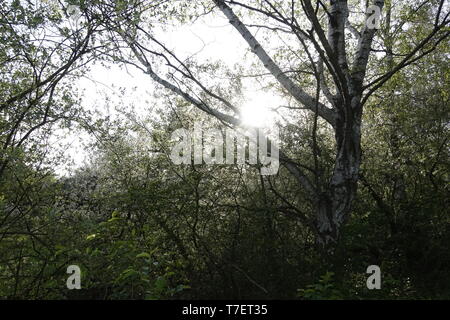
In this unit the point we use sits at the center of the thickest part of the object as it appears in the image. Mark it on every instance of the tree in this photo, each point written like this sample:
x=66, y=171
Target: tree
x=140, y=226
x=41, y=50
x=343, y=73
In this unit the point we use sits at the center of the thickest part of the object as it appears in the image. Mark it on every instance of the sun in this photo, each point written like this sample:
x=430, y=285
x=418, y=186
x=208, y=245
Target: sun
x=257, y=112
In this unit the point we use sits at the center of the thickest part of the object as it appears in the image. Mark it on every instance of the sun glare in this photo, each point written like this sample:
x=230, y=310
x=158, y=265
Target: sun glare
x=256, y=111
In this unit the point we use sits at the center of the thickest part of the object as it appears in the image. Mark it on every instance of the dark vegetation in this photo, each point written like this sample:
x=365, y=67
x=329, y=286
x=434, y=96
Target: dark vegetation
x=141, y=227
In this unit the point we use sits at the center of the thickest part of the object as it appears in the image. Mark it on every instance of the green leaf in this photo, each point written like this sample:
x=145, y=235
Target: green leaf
x=143, y=255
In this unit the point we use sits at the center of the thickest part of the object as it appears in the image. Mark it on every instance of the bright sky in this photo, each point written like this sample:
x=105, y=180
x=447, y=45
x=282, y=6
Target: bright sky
x=209, y=38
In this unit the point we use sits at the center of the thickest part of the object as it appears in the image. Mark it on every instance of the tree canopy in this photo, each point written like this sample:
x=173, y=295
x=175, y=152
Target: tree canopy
x=363, y=132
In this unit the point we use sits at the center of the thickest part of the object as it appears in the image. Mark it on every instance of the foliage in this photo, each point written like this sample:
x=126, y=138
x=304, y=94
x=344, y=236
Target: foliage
x=141, y=227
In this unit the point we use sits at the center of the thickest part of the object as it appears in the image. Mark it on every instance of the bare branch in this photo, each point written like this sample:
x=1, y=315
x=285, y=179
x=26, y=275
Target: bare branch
x=298, y=93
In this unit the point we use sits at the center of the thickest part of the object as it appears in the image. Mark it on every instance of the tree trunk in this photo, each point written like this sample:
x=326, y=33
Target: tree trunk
x=334, y=204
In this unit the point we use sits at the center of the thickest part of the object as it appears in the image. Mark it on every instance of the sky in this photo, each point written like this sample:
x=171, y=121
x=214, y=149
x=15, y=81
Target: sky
x=211, y=37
